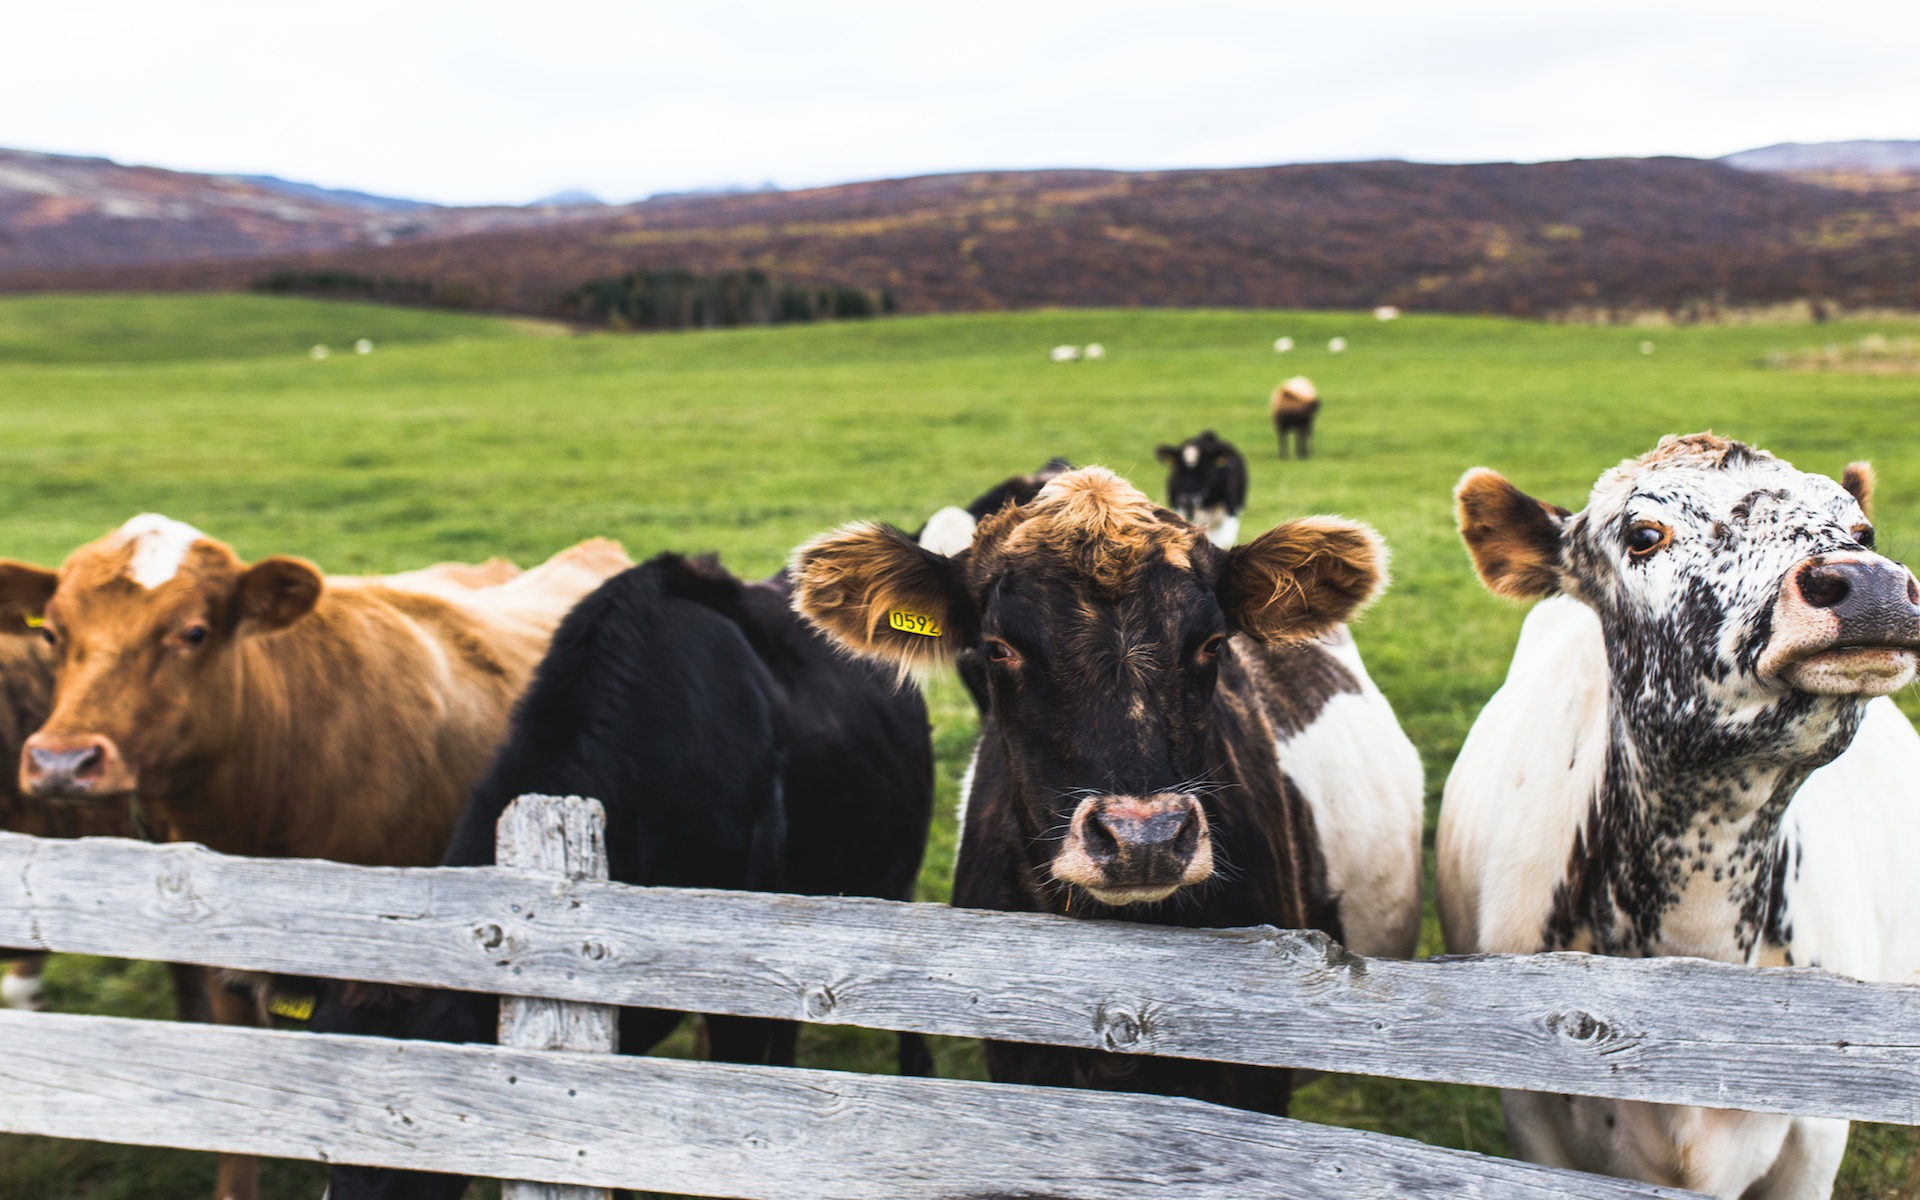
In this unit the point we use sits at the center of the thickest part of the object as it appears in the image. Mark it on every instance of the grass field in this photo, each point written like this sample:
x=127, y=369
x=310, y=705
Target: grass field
x=460, y=437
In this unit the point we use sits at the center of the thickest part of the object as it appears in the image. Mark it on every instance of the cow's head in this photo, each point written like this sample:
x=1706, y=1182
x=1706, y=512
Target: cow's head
x=1191, y=467
x=1106, y=624
x=137, y=620
x=1744, y=607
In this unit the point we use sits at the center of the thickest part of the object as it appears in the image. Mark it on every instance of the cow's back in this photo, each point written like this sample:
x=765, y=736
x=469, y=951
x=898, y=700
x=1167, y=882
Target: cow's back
x=1342, y=748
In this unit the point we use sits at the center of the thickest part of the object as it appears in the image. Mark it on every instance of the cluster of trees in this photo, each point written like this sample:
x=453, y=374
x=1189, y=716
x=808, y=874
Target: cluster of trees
x=351, y=285
x=688, y=300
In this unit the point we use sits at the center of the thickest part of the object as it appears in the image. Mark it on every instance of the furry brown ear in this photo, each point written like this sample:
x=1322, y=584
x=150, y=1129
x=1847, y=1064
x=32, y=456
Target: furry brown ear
x=1303, y=578
x=874, y=591
x=275, y=592
x=24, y=592
x=1513, y=538
x=1858, y=480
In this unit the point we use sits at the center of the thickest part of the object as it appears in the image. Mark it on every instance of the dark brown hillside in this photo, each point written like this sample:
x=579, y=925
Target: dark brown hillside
x=1523, y=239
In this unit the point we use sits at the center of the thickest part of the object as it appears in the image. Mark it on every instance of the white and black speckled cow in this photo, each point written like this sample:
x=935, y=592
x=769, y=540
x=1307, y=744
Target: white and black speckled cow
x=1692, y=755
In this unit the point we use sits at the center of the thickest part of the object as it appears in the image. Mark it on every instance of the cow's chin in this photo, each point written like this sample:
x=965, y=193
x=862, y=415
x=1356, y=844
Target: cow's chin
x=1121, y=897
x=1853, y=671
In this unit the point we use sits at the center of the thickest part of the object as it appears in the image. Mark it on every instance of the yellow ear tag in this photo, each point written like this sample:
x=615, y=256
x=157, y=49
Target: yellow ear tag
x=36, y=622
x=913, y=622
x=294, y=1008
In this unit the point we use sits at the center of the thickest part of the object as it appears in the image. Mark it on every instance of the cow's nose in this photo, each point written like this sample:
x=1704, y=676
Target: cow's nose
x=1874, y=600
x=65, y=766
x=1130, y=849
x=1116, y=832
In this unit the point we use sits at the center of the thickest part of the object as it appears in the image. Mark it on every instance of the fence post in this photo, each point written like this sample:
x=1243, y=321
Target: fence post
x=567, y=836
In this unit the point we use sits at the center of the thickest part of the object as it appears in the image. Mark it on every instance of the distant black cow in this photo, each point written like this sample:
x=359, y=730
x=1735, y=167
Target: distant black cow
x=1207, y=484
x=732, y=747
x=949, y=530
x=1174, y=733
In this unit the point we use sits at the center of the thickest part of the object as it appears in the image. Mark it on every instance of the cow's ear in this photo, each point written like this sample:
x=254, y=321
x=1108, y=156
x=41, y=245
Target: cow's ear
x=24, y=592
x=275, y=592
x=1167, y=454
x=1303, y=578
x=1513, y=538
x=874, y=591
x=1858, y=480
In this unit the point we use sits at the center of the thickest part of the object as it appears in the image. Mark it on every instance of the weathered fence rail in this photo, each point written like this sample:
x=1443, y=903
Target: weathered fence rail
x=1670, y=1030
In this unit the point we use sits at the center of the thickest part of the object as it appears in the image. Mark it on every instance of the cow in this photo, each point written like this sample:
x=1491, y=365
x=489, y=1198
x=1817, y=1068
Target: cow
x=1175, y=734
x=266, y=710
x=1692, y=755
x=1294, y=405
x=1207, y=484
x=731, y=746
x=26, y=693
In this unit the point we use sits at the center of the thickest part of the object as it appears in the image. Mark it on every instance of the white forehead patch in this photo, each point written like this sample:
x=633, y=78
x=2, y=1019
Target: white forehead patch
x=1191, y=456
x=160, y=545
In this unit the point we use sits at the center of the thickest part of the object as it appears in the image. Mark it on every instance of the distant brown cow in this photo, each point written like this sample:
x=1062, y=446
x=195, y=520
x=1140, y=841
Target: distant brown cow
x=1294, y=405
x=266, y=710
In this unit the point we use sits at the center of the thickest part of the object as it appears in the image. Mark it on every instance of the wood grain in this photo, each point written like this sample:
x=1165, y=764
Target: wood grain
x=596, y=1120
x=1673, y=1030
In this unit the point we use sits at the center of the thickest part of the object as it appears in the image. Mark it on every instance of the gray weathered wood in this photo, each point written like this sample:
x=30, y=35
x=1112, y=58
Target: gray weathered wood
x=600, y=1120
x=565, y=837
x=1672, y=1030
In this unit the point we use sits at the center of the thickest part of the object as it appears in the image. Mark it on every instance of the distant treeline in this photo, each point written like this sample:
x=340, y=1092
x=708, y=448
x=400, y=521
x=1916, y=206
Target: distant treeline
x=687, y=300
x=336, y=283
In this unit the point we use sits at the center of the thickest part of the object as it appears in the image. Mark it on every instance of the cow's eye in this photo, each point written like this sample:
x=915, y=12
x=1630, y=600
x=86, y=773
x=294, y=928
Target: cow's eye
x=1210, y=649
x=47, y=635
x=1863, y=534
x=999, y=653
x=1647, y=537
x=194, y=634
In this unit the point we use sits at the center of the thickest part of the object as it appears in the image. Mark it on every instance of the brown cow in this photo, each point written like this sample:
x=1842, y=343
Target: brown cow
x=26, y=695
x=1294, y=405
x=266, y=710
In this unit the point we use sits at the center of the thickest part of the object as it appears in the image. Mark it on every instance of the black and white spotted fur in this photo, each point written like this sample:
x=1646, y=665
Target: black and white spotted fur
x=1646, y=784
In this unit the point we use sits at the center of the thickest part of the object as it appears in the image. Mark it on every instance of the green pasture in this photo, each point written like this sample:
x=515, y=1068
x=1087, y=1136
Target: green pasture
x=462, y=437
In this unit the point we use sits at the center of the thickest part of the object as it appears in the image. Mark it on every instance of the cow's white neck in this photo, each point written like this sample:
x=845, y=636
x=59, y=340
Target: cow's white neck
x=1681, y=860
x=159, y=545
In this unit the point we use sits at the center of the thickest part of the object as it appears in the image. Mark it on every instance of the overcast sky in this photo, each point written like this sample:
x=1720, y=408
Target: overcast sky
x=480, y=101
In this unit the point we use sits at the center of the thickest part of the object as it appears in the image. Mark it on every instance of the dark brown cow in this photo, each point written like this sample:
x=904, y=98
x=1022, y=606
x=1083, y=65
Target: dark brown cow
x=267, y=710
x=1294, y=405
x=1174, y=733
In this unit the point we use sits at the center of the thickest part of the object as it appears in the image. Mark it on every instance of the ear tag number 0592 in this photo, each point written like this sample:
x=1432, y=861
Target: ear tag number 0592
x=913, y=622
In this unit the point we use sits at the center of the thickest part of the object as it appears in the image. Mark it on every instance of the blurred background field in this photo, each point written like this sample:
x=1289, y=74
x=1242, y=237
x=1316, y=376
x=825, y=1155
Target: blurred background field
x=463, y=436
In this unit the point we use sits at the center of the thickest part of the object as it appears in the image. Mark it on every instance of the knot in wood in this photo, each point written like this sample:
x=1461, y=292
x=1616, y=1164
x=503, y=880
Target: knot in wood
x=819, y=1001
x=1578, y=1026
x=490, y=936
x=1118, y=1028
x=594, y=951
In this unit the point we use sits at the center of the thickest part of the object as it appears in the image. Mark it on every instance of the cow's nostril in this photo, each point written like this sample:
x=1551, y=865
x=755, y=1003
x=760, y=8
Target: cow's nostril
x=88, y=761
x=1824, y=587
x=1100, y=843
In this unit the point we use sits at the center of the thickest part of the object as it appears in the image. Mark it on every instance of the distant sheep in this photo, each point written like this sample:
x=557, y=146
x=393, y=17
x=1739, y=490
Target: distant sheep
x=1064, y=353
x=318, y=352
x=1386, y=312
x=1283, y=345
x=1336, y=345
x=1094, y=350
x=1294, y=405
x=363, y=346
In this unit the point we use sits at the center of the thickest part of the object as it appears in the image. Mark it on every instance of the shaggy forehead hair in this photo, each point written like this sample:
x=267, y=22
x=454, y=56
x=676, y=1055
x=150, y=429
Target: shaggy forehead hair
x=1693, y=452
x=1099, y=523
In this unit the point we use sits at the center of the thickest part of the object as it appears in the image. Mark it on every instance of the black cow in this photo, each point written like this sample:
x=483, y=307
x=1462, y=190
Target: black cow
x=731, y=746
x=1207, y=484
x=1174, y=733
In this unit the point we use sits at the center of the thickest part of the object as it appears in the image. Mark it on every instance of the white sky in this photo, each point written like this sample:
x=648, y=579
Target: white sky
x=474, y=101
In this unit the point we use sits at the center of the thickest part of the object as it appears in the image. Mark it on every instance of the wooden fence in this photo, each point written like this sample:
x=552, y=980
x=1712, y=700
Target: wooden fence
x=565, y=946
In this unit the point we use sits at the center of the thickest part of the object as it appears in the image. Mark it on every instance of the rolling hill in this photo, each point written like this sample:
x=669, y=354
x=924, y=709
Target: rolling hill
x=1684, y=235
